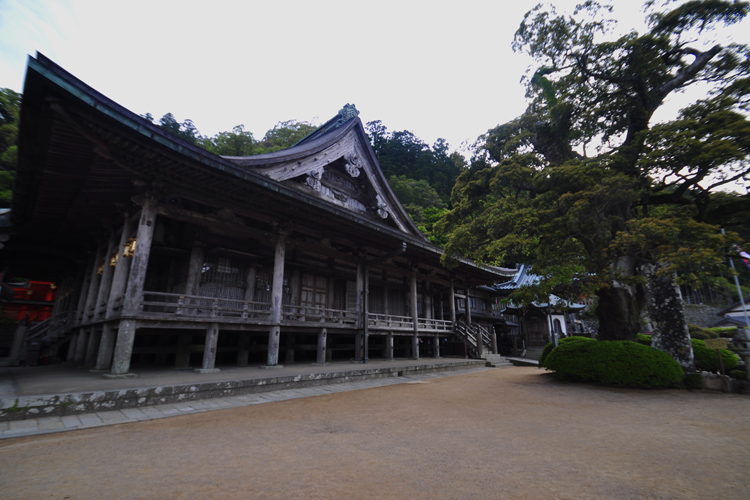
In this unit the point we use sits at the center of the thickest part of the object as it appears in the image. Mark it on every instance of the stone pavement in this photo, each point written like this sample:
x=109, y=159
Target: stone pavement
x=46, y=425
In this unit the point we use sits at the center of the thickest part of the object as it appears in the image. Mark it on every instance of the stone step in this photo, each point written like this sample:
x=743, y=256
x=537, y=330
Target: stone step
x=496, y=360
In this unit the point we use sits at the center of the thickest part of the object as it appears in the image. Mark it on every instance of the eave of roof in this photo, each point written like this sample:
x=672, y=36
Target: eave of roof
x=50, y=73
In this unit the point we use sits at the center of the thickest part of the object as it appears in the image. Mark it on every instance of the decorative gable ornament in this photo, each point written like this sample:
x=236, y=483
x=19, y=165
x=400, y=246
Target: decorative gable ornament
x=313, y=179
x=352, y=164
x=381, y=207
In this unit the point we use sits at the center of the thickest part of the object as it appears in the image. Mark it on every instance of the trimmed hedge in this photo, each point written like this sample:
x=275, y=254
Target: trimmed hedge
x=693, y=381
x=707, y=360
x=697, y=332
x=621, y=363
x=726, y=332
x=548, y=348
x=644, y=339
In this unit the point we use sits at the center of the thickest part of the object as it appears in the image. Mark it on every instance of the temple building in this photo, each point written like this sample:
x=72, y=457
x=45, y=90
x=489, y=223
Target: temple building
x=164, y=254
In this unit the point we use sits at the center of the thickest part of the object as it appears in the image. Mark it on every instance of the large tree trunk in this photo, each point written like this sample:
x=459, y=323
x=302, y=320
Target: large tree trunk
x=670, y=331
x=619, y=313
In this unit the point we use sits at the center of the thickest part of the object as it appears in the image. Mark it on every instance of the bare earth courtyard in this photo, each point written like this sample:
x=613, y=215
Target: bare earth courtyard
x=506, y=433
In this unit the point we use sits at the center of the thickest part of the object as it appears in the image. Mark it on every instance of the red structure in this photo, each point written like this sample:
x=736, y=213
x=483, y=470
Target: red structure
x=33, y=301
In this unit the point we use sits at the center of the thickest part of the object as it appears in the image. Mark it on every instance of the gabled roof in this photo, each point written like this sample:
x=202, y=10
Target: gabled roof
x=738, y=321
x=336, y=164
x=736, y=306
x=523, y=277
x=83, y=158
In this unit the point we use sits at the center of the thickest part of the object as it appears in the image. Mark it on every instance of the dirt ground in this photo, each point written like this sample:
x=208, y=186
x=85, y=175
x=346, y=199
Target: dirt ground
x=508, y=433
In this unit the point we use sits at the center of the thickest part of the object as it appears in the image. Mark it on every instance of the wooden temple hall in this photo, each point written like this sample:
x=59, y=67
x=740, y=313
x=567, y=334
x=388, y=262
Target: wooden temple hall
x=164, y=254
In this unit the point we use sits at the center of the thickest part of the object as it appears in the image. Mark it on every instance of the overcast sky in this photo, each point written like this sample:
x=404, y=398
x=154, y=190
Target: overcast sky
x=437, y=68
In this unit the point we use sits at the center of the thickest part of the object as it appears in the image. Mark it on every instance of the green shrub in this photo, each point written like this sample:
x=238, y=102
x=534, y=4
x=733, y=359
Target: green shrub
x=575, y=338
x=699, y=335
x=693, y=381
x=697, y=332
x=707, y=360
x=738, y=374
x=621, y=363
x=547, y=349
x=726, y=332
x=644, y=339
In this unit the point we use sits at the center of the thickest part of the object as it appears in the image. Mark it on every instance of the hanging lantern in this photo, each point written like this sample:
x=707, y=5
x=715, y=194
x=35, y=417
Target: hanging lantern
x=129, y=248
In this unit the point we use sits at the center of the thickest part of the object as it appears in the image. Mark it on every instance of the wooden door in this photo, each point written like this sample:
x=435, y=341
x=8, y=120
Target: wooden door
x=313, y=296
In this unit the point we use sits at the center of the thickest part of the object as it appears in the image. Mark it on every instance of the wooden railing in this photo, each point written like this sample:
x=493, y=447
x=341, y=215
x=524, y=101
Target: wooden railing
x=471, y=333
x=390, y=321
x=318, y=315
x=193, y=306
x=174, y=306
x=51, y=329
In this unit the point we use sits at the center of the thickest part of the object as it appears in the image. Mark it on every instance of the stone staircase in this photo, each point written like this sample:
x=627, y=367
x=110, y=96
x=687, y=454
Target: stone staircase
x=496, y=360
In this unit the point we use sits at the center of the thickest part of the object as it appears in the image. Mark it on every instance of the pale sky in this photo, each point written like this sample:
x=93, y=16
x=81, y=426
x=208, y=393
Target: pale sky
x=436, y=68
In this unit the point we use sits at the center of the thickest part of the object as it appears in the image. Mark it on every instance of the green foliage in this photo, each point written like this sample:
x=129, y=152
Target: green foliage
x=284, y=134
x=238, y=142
x=707, y=360
x=727, y=332
x=10, y=111
x=644, y=339
x=693, y=381
x=738, y=374
x=545, y=352
x=696, y=332
x=565, y=340
x=620, y=363
x=404, y=155
x=649, y=201
x=415, y=192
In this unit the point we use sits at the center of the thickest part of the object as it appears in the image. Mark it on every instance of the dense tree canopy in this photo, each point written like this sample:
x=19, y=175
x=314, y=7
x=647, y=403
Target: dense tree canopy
x=10, y=109
x=646, y=206
x=404, y=154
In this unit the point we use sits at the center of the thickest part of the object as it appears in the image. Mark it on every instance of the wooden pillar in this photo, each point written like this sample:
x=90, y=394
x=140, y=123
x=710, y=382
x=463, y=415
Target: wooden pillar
x=427, y=300
x=389, y=346
x=89, y=310
x=467, y=310
x=91, y=347
x=494, y=340
x=243, y=350
x=250, y=283
x=182, y=361
x=452, y=298
x=414, y=315
x=361, y=309
x=322, y=342
x=289, y=348
x=122, y=270
x=70, y=357
x=366, y=316
x=81, y=344
x=81, y=306
x=277, y=299
x=134, y=292
x=105, y=285
x=114, y=298
x=209, y=350
x=386, y=309
x=195, y=269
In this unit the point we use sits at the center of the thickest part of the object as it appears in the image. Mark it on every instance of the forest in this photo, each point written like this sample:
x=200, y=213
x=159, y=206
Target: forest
x=585, y=185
